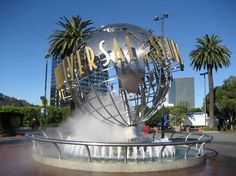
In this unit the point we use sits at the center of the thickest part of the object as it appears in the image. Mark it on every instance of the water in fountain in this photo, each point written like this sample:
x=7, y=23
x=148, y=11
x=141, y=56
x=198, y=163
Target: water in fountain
x=84, y=127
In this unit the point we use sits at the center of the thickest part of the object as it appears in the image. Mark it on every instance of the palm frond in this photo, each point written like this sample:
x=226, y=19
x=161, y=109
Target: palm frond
x=70, y=37
x=210, y=52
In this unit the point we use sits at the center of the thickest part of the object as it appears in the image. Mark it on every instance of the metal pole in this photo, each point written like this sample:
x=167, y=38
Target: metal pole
x=46, y=73
x=162, y=28
x=162, y=18
x=162, y=123
x=45, y=84
x=162, y=118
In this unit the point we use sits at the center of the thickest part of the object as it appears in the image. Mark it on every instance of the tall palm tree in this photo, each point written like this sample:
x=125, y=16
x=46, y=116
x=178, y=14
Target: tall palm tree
x=70, y=38
x=210, y=54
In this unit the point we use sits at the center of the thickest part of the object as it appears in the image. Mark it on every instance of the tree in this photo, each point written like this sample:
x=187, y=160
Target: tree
x=210, y=54
x=226, y=100
x=179, y=113
x=156, y=118
x=71, y=38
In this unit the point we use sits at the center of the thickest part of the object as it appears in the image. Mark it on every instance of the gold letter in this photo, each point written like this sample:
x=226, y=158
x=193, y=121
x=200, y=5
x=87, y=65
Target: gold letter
x=70, y=62
x=127, y=41
x=59, y=75
x=156, y=47
x=90, y=58
x=105, y=53
x=117, y=50
x=81, y=72
x=177, y=55
x=61, y=94
x=171, y=52
x=64, y=69
x=163, y=48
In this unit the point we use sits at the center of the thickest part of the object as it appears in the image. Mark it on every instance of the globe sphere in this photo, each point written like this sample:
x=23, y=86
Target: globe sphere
x=133, y=86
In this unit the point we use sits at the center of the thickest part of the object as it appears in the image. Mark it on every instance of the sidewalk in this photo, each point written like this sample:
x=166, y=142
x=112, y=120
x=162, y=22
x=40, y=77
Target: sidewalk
x=13, y=140
x=224, y=143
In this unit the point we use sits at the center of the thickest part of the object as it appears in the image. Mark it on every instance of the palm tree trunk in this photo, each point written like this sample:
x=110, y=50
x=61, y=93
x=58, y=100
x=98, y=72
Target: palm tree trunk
x=212, y=120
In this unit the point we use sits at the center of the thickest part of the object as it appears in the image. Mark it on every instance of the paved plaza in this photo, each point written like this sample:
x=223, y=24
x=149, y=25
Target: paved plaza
x=224, y=143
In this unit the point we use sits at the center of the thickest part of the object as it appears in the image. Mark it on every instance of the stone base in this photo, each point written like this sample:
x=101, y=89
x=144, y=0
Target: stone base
x=119, y=167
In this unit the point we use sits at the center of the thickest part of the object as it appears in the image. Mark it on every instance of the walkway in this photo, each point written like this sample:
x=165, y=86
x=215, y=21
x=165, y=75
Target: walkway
x=224, y=143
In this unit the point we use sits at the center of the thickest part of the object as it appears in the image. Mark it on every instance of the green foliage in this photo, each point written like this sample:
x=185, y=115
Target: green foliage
x=56, y=115
x=53, y=118
x=179, y=113
x=226, y=100
x=9, y=109
x=15, y=122
x=194, y=110
x=209, y=128
x=10, y=122
x=11, y=101
x=30, y=113
x=210, y=53
x=71, y=38
x=156, y=118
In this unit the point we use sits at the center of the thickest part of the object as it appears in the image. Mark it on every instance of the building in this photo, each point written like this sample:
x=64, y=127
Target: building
x=182, y=92
x=54, y=96
x=85, y=84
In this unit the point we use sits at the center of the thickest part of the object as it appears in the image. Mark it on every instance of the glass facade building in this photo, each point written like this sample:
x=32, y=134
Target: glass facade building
x=182, y=92
x=54, y=95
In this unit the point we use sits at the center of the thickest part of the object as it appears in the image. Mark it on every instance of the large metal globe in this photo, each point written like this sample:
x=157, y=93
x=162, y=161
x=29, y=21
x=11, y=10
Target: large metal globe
x=124, y=93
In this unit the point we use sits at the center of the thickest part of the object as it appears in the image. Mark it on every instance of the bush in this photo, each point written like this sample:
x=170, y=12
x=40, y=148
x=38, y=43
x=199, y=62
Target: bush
x=209, y=128
x=54, y=116
x=10, y=122
x=32, y=114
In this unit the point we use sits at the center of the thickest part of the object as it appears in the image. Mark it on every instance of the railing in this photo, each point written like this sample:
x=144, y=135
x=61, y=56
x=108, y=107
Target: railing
x=187, y=140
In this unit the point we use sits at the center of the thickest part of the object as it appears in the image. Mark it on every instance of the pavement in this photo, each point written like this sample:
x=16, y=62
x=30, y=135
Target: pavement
x=224, y=143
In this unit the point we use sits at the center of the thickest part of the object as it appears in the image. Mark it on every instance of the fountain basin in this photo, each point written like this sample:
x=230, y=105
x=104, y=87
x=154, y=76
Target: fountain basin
x=120, y=166
x=188, y=151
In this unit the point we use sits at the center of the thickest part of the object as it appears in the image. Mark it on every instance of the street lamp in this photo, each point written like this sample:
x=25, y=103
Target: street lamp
x=204, y=75
x=44, y=98
x=46, y=76
x=162, y=19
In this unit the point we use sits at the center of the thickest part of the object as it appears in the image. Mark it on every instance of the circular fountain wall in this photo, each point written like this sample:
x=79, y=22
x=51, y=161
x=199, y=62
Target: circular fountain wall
x=179, y=151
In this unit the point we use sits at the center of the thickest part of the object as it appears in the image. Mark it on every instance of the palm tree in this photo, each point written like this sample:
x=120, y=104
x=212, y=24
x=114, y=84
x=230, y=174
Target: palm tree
x=210, y=54
x=71, y=38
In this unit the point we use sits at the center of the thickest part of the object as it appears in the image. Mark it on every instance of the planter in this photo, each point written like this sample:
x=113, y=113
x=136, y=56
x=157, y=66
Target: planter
x=187, y=129
x=176, y=128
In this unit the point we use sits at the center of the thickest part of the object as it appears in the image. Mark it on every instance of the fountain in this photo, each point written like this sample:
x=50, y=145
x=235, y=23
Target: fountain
x=118, y=81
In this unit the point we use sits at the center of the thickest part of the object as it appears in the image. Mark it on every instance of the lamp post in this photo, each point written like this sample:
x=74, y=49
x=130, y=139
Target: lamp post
x=204, y=75
x=46, y=76
x=44, y=99
x=162, y=19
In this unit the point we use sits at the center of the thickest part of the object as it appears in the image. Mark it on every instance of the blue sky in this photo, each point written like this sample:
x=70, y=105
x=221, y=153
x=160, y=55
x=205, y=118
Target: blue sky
x=26, y=25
